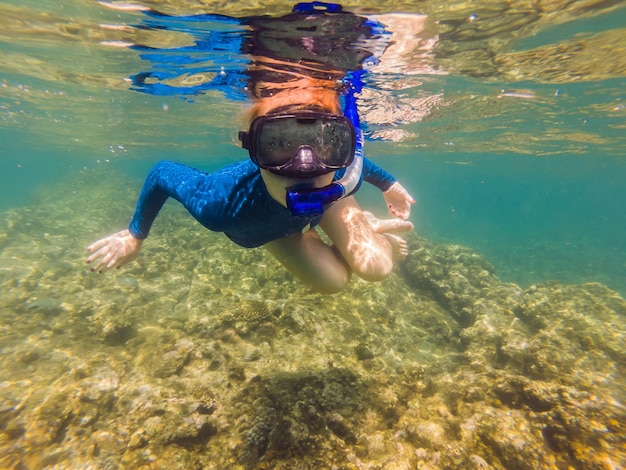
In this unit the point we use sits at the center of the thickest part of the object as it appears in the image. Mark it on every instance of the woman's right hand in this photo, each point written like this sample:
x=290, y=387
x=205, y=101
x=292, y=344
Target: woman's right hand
x=113, y=251
x=398, y=201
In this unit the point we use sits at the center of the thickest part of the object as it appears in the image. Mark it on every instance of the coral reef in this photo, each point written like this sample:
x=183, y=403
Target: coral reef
x=205, y=355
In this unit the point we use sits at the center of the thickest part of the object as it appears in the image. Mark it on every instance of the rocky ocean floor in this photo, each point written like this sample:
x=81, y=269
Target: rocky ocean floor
x=205, y=355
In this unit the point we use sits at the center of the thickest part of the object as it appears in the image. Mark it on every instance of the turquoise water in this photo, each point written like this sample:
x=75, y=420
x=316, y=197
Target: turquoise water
x=507, y=122
x=534, y=184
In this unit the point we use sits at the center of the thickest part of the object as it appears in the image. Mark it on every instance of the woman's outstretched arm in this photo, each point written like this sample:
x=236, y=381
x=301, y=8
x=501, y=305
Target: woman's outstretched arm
x=166, y=179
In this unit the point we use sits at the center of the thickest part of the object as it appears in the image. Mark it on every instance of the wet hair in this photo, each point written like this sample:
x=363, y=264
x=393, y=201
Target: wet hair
x=303, y=94
x=300, y=59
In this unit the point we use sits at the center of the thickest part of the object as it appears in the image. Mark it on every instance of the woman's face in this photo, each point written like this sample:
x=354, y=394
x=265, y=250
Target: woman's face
x=277, y=185
x=301, y=96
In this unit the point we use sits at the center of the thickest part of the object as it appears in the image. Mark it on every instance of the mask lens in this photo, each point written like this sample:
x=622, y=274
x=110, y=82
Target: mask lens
x=277, y=143
x=278, y=139
x=334, y=146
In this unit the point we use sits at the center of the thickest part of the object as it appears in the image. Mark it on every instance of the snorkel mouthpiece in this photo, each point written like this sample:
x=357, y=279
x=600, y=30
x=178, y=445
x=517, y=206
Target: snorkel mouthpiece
x=311, y=202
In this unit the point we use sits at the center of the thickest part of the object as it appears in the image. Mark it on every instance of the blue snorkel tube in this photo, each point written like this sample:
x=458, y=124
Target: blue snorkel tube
x=310, y=202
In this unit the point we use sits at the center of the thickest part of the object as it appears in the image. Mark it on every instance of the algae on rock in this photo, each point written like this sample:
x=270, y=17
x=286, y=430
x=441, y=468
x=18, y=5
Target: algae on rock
x=205, y=355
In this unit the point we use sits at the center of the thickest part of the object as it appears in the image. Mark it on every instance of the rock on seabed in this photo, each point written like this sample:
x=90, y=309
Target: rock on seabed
x=205, y=355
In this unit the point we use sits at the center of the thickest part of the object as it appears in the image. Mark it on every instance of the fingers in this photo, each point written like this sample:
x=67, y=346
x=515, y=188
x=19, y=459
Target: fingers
x=97, y=267
x=399, y=201
x=103, y=255
x=97, y=244
x=108, y=258
x=109, y=261
x=113, y=263
x=100, y=251
x=113, y=251
x=396, y=213
x=400, y=213
x=102, y=259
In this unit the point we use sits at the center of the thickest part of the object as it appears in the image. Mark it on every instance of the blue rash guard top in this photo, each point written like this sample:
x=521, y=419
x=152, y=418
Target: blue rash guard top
x=233, y=200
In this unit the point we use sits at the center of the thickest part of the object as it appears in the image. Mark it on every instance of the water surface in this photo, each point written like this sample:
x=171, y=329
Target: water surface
x=522, y=151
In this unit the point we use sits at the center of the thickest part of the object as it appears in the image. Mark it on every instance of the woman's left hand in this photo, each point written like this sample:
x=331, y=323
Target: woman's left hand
x=398, y=201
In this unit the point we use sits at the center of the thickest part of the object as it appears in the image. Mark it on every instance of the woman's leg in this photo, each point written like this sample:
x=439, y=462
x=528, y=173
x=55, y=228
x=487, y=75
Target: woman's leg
x=312, y=261
x=364, y=241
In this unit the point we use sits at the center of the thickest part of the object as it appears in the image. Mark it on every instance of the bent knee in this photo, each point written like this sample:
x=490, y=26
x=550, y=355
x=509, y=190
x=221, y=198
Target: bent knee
x=329, y=284
x=373, y=270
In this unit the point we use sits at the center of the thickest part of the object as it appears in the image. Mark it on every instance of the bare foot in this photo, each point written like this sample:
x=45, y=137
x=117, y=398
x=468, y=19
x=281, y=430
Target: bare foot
x=399, y=246
x=388, y=225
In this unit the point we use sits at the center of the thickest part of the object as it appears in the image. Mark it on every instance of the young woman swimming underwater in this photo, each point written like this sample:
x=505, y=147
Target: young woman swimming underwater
x=306, y=162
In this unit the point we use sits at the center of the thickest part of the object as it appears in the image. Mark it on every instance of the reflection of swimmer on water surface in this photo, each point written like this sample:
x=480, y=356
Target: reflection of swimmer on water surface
x=306, y=162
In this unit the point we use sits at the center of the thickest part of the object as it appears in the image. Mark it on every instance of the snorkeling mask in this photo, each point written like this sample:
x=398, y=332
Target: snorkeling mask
x=302, y=144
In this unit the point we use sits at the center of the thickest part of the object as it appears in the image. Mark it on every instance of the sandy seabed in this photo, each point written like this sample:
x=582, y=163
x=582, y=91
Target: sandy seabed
x=203, y=355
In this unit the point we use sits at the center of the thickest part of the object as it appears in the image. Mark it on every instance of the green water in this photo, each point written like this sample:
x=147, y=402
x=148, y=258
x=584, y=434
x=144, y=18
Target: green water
x=518, y=158
x=538, y=191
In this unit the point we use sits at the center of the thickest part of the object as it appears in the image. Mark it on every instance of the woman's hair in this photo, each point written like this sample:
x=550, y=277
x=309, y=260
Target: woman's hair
x=274, y=86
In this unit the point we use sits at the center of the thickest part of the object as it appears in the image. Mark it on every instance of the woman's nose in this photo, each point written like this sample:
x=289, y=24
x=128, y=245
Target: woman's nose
x=305, y=160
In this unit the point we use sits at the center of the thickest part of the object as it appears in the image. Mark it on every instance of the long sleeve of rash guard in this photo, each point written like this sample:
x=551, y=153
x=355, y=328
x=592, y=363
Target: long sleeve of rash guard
x=232, y=200
x=209, y=197
x=376, y=176
x=163, y=181
x=373, y=174
x=222, y=200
